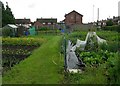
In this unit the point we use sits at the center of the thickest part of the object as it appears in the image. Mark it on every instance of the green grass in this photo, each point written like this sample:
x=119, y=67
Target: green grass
x=89, y=76
x=42, y=67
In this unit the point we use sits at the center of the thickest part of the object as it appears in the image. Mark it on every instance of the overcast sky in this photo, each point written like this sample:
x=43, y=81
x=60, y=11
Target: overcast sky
x=58, y=8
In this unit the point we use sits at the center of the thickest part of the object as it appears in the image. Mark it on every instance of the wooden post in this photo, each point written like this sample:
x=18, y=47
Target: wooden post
x=65, y=60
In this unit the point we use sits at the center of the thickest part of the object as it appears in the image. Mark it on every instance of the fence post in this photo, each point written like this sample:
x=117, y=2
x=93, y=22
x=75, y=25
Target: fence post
x=65, y=60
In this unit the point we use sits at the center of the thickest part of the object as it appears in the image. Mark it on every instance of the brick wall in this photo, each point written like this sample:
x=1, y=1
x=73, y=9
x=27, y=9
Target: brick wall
x=81, y=27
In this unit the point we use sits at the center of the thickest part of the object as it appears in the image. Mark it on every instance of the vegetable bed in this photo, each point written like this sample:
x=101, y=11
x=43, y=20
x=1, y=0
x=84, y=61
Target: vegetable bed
x=15, y=50
x=102, y=62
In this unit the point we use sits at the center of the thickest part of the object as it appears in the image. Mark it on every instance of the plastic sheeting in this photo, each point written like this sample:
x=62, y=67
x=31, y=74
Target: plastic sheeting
x=100, y=40
x=32, y=31
x=72, y=59
x=74, y=63
x=82, y=44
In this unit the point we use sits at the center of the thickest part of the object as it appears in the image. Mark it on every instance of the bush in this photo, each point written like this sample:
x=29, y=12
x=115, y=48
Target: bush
x=22, y=41
x=109, y=23
x=6, y=32
x=112, y=28
x=43, y=29
x=114, y=68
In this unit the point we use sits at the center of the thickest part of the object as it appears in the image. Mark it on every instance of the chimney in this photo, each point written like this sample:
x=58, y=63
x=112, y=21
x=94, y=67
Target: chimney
x=98, y=15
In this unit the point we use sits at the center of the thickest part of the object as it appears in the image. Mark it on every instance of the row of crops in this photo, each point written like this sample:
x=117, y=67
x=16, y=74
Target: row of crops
x=15, y=50
x=104, y=58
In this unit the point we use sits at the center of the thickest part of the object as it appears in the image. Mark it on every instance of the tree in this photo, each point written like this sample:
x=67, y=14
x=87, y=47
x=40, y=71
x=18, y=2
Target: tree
x=109, y=23
x=3, y=15
x=7, y=16
x=0, y=14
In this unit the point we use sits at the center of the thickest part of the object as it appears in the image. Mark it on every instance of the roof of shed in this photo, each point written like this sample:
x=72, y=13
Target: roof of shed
x=12, y=26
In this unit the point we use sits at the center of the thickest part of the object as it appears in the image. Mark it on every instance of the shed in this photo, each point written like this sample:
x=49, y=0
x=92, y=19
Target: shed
x=9, y=30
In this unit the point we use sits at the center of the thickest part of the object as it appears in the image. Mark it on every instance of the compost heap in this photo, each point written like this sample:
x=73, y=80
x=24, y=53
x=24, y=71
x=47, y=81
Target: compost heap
x=73, y=62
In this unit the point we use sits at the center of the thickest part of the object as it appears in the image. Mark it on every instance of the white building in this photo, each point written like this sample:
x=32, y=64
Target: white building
x=119, y=8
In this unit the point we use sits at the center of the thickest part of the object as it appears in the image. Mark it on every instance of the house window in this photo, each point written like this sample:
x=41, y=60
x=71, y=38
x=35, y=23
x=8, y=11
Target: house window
x=49, y=23
x=44, y=23
x=104, y=23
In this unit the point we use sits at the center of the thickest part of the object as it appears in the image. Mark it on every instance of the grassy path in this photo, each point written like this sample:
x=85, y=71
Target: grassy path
x=42, y=67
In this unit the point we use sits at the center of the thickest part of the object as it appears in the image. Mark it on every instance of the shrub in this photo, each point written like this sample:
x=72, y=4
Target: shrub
x=109, y=23
x=43, y=29
x=22, y=41
x=112, y=28
x=114, y=68
x=6, y=32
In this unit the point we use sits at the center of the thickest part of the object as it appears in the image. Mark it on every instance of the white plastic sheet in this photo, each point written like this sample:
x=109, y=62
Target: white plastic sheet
x=82, y=44
x=72, y=59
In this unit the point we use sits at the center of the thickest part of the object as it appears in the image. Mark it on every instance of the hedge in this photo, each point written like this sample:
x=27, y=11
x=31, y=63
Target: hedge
x=112, y=28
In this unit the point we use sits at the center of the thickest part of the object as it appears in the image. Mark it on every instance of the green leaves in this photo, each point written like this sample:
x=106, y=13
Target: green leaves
x=23, y=41
x=92, y=58
x=7, y=16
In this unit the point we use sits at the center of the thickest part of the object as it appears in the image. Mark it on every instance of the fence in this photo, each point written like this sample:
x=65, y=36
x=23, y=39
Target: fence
x=82, y=27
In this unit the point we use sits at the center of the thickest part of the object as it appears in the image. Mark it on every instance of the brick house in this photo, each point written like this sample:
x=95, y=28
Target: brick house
x=22, y=21
x=38, y=25
x=73, y=18
x=46, y=22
